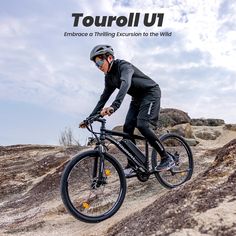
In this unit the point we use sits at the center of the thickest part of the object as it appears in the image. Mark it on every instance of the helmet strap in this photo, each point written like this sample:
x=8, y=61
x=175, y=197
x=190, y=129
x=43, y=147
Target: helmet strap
x=109, y=63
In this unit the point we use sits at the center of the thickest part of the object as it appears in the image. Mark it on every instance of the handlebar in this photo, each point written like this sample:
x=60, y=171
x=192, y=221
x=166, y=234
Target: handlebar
x=96, y=117
x=91, y=119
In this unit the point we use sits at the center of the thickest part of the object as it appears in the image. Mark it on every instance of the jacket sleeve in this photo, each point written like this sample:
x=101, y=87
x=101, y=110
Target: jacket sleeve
x=108, y=90
x=126, y=73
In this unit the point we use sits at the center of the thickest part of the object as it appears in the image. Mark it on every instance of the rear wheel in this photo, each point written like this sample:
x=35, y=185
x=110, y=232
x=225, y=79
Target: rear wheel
x=180, y=151
x=88, y=196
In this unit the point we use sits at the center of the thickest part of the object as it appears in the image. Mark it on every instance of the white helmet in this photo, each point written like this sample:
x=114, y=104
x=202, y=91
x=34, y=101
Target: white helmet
x=101, y=50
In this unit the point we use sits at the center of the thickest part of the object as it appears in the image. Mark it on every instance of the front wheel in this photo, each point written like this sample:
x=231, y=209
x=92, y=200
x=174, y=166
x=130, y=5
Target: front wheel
x=93, y=187
x=180, y=151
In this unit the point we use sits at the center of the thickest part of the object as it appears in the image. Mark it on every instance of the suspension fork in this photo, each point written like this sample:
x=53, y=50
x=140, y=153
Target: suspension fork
x=98, y=166
x=95, y=165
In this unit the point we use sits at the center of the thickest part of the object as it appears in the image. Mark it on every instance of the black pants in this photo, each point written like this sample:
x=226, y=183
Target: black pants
x=143, y=113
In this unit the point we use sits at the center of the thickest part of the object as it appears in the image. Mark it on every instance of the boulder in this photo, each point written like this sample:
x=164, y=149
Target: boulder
x=207, y=122
x=192, y=141
x=183, y=130
x=119, y=128
x=231, y=127
x=172, y=117
x=207, y=134
x=168, y=117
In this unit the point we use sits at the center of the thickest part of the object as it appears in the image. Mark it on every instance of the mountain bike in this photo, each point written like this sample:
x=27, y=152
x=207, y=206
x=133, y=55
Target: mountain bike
x=93, y=184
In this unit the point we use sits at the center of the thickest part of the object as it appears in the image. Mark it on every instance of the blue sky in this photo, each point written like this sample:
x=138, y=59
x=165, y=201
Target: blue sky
x=47, y=82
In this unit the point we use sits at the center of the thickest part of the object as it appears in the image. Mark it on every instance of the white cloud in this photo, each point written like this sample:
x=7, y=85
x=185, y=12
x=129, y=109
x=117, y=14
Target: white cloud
x=194, y=67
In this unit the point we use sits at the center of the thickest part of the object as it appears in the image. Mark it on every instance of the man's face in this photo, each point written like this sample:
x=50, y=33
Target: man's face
x=102, y=63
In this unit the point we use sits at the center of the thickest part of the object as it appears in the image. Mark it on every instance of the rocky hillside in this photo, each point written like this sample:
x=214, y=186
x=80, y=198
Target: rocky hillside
x=208, y=132
x=205, y=206
x=30, y=202
x=29, y=180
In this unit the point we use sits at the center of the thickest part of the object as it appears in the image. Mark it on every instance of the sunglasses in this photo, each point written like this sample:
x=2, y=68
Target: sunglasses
x=99, y=63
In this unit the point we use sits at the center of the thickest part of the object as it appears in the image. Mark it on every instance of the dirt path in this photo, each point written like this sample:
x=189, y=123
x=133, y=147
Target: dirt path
x=50, y=216
x=30, y=200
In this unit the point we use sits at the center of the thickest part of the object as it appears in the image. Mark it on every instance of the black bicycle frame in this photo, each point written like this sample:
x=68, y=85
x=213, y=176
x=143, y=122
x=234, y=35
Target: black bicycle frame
x=106, y=134
x=133, y=159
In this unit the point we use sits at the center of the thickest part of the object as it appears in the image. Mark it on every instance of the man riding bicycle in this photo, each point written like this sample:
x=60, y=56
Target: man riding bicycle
x=145, y=105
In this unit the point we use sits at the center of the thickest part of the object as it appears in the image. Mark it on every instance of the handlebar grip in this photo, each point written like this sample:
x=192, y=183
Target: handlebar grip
x=111, y=110
x=91, y=119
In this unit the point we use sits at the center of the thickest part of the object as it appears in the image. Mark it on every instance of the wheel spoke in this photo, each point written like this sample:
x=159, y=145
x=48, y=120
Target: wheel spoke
x=176, y=147
x=94, y=198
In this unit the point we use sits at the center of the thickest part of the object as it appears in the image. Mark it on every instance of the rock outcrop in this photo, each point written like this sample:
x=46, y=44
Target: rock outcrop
x=30, y=202
x=172, y=117
x=184, y=130
x=207, y=122
x=231, y=127
x=207, y=134
x=205, y=206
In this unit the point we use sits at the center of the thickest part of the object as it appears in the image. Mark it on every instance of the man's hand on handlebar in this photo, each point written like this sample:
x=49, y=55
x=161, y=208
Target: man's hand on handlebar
x=82, y=125
x=107, y=111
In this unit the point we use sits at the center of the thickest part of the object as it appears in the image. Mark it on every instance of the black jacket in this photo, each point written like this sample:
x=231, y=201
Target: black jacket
x=128, y=79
